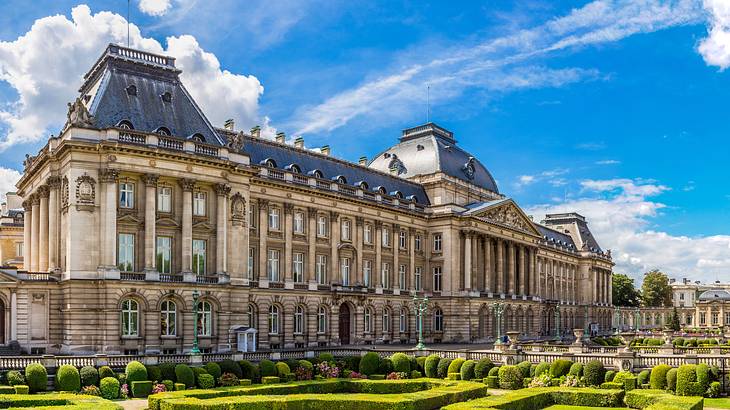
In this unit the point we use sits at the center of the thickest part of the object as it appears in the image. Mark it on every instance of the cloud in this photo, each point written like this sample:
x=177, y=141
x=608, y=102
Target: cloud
x=608, y=162
x=552, y=177
x=46, y=74
x=620, y=213
x=715, y=48
x=155, y=7
x=591, y=146
x=498, y=64
x=8, y=178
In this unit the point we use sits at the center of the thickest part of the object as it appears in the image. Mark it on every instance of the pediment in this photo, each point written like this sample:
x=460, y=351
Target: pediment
x=128, y=219
x=203, y=226
x=7, y=277
x=505, y=213
x=167, y=222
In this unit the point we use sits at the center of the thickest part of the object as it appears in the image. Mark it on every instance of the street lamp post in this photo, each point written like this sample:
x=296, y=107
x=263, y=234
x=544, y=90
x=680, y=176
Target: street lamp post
x=498, y=309
x=195, y=349
x=420, y=306
x=616, y=319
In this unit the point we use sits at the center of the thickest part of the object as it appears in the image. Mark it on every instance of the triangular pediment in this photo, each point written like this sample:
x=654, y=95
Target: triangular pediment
x=504, y=212
x=128, y=218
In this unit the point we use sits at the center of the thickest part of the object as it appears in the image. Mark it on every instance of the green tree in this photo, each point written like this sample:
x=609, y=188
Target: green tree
x=674, y=322
x=655, y=290
x=624, y=291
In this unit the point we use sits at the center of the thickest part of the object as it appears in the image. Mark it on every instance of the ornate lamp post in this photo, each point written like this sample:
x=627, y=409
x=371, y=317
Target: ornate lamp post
x=195, y=350
x=498, y=309
x=420, y=306
x=617, y=319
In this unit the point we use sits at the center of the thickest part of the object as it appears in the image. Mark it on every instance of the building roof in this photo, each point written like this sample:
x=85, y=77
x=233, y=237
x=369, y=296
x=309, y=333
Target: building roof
x=576, y=224
x=554, y=237
x=716, y=294
x=428, y=149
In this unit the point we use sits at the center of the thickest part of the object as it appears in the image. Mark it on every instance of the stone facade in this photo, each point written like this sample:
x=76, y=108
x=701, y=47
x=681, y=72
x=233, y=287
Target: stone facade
x=128, y=221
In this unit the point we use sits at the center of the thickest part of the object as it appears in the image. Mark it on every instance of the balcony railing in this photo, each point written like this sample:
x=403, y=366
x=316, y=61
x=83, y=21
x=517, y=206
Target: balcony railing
x=170, y=143
x=167, y=277
x=206, y=279
x=206, y=150
x=131, y=276
x=132, y=137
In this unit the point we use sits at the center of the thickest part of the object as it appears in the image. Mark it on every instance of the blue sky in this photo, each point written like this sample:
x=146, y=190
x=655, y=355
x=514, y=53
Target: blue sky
x=616, y=109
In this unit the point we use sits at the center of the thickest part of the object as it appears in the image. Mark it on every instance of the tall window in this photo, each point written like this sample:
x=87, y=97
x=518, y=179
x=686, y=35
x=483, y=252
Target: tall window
x=403, y=321
x=368, y=320
x=367, y=234
x=298, y=222
x=273, y=265
x=251, y=259
x=164, y=254
x=252, y=216
x=386, y=321
x=251, y=313
x=402, y=240
x=437, y=279
x=402, y=277
x=385, y=275
x=299, y=320
x=18, y=249
x=125, y=259
x=199, y=262
x=168, y=316
x=130, y=317
x=346, y=230
x=367, y=272
x=199, y=203
x=205, y=319
x=418, y=285
x=386, y=236
x=418, y=242
x=345, y=271
x=322, y=320
x=164, y=199
x=298, y=267
x=126, y=195
x=274, y=319
x=437, y=242
x=322, y=226
x=438, y=320
x=274, y=218
x=321, y=269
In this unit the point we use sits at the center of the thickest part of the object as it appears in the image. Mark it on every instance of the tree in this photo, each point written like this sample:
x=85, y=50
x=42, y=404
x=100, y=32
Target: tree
x=625, y=293
x=655, y=290
x=674, y=322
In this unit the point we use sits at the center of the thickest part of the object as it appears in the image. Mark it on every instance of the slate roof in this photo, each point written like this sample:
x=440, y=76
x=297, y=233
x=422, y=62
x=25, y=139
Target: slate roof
x=553, y=236
x=710, y=295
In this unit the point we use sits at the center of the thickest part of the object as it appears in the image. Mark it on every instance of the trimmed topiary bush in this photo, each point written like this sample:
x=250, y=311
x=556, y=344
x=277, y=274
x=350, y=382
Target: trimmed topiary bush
x=482, y=368
x=672, y=379
x=576, y=370
x=247, y=370
x=169, y=385
x=420, y=364
x=270, y=380
x=267, y=368
x=68, y=379
x=467, y=370
x=455, y=365
x=106, y=371
x=494, y=371
x=510, y=377
x=431, y=365
x=154, y=373
x=167, y=371
x=541, y=368
x=703, y=376
x=141, y=388
x=89, y=376
x=560, y=367
x=658, y=376
x=229, y=366
x=282, y=369
x=687, y=380
x=184, y=374
x=15, y=378
x=369, y=363
x=643, y=377
x=524, y=368
x=385, y=367
x=21, y=389
x=136, y=372
x=109, y=387
x=214, y=370
x=415, y=374
x=609, y=376
x=401, y=363
x=443, y=368
x=206, y=381
x=36, y=377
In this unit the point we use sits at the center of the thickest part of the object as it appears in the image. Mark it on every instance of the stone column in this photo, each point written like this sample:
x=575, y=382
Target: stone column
x=187, y=229
x=27, y=233
x=610, y=288
x=378, y=268
x=288, y=228
x=522, y=272
x=474, y=262
x=488, y=283
x=395, y=246
x=35, y=233
x=467, y=260
x=54, y=183
x=263, y=249
x=312, y=239
x=335, y=274
x=358, y=238
x=411, y=282
x=221, y=231
x=13, y=314
x=109, y=222
x=511, y=274
x=500, y=266
x=43, y=230
x=150, y=227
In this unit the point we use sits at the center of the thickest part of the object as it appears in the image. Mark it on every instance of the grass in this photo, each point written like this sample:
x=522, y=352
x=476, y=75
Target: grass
x=565, y=407
x=721, y=403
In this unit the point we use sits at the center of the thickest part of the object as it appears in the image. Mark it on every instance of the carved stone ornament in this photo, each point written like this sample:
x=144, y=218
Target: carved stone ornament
x=108, y=175
x=150, y=179
x=53, y=182
x=29, y=159
x=85, y=190
x=506, y=215
x=78, y=115
x=238, y=207
x=222, y=189
x=235, y=141
x=64, y=192
x=187, y=184
x=469, y=169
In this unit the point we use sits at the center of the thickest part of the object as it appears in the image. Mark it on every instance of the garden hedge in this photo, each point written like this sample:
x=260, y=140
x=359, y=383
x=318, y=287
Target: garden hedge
x=206, y=381
x=136, y=372
x=8, y=389
x=420, y=363
x=141, y=388
x=455, y=365
x=21, y=389
x=68, y=379
x=482, y=368
x=154, y=373
x=593, y=372
x=672, y=379
x=401, y=363
x=643, y=377
x=542, y=397
x=687, y=384
x=660, y=400
x=247, y=370
x=214, y=370
x=15, y=378
x=270, y=379
x=36, y=377
x=386, y=366
x=267, y=368
x=560, y=367
x=166, y=369
x=369, y=363
x=443, y=368
x=510, y=377
x=184, y=374
x=69, y=401
x=524, y=368
x=431, y=365
x=467, y=370
x=541, y=368
x=230, y=366
x=609, y=376
x=89, y=376
x=109, y=387
x=576, y=370
x=658, y=377
x=282, y=369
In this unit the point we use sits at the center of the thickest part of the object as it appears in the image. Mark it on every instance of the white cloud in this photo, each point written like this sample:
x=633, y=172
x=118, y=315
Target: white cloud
x=8, y=178
x=715, y=49
x=608, y=162
x=620, y=214
x=155, y=7
x=46, y=74
x=552, y=177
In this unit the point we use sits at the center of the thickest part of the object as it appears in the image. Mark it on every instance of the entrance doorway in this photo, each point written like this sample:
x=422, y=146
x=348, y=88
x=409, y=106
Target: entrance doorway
x=344, y=322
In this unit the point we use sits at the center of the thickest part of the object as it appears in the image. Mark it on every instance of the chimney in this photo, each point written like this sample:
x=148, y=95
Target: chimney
x=256, y=132
x=363, y=161
x=280, y=137
x=299, y=143
x=394, y=170
x=229, y=124
x=325, y=150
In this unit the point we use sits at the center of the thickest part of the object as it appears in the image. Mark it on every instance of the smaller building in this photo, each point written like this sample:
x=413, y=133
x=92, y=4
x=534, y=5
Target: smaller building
x=11, y=232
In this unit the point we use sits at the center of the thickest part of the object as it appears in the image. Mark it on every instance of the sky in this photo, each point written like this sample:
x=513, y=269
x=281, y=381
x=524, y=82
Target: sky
x=614, y=109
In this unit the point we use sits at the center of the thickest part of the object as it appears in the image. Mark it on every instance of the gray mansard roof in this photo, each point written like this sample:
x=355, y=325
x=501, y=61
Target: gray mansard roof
x=718, y=294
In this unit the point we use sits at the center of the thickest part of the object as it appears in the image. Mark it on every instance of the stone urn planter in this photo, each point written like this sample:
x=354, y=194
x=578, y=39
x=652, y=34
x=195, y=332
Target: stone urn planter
x=668, y=335
x=627, y=337
x=512, y=336
x=578, y=333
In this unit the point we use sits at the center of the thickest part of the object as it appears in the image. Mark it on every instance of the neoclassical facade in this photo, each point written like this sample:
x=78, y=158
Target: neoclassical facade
x=140, y=204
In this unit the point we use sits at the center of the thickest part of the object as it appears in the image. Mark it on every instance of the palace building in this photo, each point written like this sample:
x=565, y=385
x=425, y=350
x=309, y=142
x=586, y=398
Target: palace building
x=141, y=206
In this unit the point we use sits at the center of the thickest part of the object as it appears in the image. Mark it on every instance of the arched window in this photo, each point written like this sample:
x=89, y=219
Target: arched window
x=380, y=190
x=368, y=320
x=412, y=198
x=340, y=179
x=322, y=320
x=270, y=163
x=397, y=194
x=294, y=169
x=363, y=185
x=198, y=137
x=168, y=317
x=274, y=319
x=131, y=89
x=125, y=125
x=386, y=320
x=438, y=320
x=403, y=321
x=166, y=96
x=316, y=173
x=130, y=317
x=299, y=320
x=163, y=131
x=251, y=313
x=204, y=323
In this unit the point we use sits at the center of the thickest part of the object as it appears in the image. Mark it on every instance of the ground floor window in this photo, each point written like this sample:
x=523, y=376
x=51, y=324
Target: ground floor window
x=130, y=317
x=204, y=322
x=125, y=256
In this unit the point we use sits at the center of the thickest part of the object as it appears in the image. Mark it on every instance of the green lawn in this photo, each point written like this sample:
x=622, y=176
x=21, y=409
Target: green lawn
x=564, y=407
x=723, y=403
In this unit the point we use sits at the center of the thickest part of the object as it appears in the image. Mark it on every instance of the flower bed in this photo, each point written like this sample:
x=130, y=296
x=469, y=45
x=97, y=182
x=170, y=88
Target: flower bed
x=331, y=394
x=51, y=400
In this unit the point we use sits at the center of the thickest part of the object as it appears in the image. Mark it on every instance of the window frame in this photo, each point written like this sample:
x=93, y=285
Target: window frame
x=437, y=273
x=198, y=255
x=160, y=256
x=274, y=218
x=298, y=223
x=322, y=226
x=346, y=230
x=126, y=194
x=367, y=272
x=321, y=320
x=320, y=269
x=204, y=321
x=298, y=267
x=298, y=320
x=402, y=240
x=129, y=312
x=274, y=320
x=127, y=249
x=368, y=320
x=273, y=265
x=438, y=320
x=367, y=234
x=200, y=199
x=418, y=278
x=164, y=199
x=345, y=269
x=438, y=242
x=168, y=318
x=402, y=272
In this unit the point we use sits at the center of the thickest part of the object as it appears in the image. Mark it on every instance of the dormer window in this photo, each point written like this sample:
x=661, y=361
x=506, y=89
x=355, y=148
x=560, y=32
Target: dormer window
x=386, y=155
x=412, y=198
x=131, y=89
x=380, y=190
x=125, y=125
x=419, y=147
x=397, y=194
x=340, y=179
x=268, y=162
x=198, y=137
x=294, y=169
x=166, y=97
x=316, y=173
x=163, y=131
x=363, y=185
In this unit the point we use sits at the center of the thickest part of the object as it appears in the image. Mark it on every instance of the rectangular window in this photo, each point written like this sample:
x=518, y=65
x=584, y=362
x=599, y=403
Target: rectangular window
x=715, y=318
x=273, y=265
x=126, y=195
x=298, y=267
x=386, y=237
x=418, y=285
x=251, y=259
x=251, y=216
x=164, y=199
x=199, y=256
x=727, y=318
x=274, y=218
x=18, y=249
x=322, y=226
x=199, y=203
x=298, y=222
x=385, y=275
x=437, y=279
x=702, y=318
x=418, y=242
x=126, y=252
x=367, y=272
x=403, y=240
x=164, y=254
x=367, y=234
x=402, y=276
x=345, y=271
x=321, y=269
x=345, y=230
x=437, y=242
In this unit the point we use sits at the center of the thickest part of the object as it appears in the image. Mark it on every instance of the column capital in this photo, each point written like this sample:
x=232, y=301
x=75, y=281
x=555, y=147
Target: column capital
x=359, y=220
x=42, y=191
x=378, y=225
x=288, y=208
x=151, y=179
x=334, y=216
x=263, y=203
x=222, y=189
x=35, y=199
x=187, y=184
x=412, y=231
x=312, y=211
x=53, y=182
x=27, y=205
x=108, y=175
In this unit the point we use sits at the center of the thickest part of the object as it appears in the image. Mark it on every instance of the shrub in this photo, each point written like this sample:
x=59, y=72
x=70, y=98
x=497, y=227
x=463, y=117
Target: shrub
x=560, y=367
x=533, y=367
x=180, y=386
x=169, y=385
x=714, y=373
x=369, y=363
x=610, y=375
x=494, y=371
x=68, y=379
x=229, y=366
x=8, y=389
x=455, y=366
x=443, y=368
x=292, y=363
x=672, y=379
x=686, y=379
x=307, y=365
x=122, y=378
x=136, y=372
x=714, y=390
x=658, y=377
x=36, y=377
x=206, y=381
x=109, y=388
x=197, y=371
x=431, y=365
x=184, y=374
x=541, y=368
x=89, y=376
x=266, y=367
x=420, y=363
x=353, y=362
x=106, y=371
x=415, y=374
x=326, y=357
x=401, y=363
x=510, y=377
x=373, y=377
x=141, y=388
x=167, y=371
x=15, y=378
x=21, y=389
x=482, y=368
x=541, y=380
x=282, y=369
x=228, y=379
x=214, y=370
x=524, y=368
x=269, y=380
x=386, y=366
x=576, y=370
x=621, y=376
x=91, y=390
x=453, y=376
x=643, y=377
x=703, y=376
x=154, y=373
x=492, y=382
x=247, y=369
x=467, y=370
